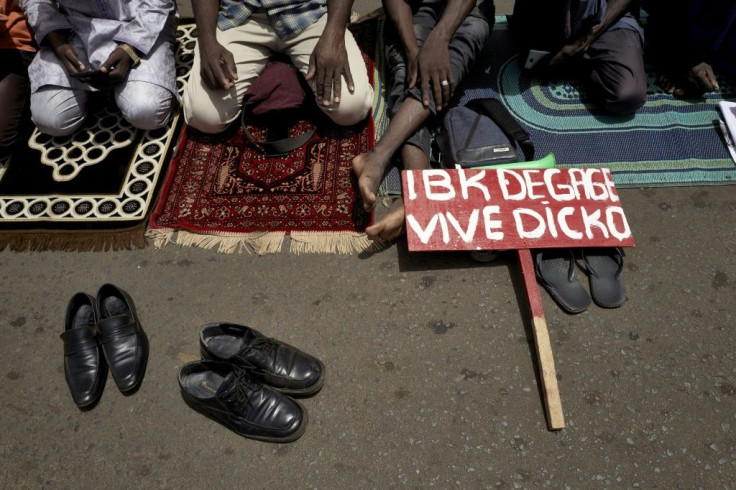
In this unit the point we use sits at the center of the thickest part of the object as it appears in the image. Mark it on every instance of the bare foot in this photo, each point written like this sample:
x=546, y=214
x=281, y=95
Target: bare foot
x=670, y=84
x=391, y=225
x=369, y=168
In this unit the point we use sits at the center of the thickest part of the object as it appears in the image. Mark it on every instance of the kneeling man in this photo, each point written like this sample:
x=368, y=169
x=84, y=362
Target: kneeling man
x=238, y=37
x=87, y=46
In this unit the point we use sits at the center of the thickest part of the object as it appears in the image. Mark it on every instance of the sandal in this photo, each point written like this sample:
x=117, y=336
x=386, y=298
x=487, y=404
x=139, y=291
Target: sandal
x=605, y=268
x=555, y=270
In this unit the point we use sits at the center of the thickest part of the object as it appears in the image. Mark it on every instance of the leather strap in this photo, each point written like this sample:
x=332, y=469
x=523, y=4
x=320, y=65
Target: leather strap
x=279, y=147
x=116, y=327
x=78, y=339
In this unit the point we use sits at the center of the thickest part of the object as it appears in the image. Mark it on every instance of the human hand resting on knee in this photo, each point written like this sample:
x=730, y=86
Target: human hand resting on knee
x=431, y=67
x=218, y=65
x=327, y=64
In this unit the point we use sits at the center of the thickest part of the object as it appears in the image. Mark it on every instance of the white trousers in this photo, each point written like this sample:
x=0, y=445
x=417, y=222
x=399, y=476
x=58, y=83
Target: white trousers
x=59, y=111
x=252, y=44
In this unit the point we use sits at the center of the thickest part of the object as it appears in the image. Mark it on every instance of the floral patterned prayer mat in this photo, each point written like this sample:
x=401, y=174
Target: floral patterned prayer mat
x=223, y=193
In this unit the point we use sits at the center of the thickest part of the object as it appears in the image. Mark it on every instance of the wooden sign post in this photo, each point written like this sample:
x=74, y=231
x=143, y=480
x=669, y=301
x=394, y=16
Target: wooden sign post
x=505, y=209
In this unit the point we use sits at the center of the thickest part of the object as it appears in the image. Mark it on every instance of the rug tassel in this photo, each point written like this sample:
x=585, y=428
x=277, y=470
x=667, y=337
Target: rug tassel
x=345, y=243
x=259, y=243
x=160, y=237
x=76, y=241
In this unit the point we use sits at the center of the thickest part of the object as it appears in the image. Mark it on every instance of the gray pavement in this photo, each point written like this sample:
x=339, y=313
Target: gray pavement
x=431, y=378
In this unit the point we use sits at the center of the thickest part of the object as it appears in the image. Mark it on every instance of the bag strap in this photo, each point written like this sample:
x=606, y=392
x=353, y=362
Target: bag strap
x=494, y=109
x=274, y=147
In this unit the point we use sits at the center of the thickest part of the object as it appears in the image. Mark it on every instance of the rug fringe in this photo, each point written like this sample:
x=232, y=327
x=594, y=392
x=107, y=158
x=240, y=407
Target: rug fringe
x=73, y=241
x=258, y=243
x=344, y=243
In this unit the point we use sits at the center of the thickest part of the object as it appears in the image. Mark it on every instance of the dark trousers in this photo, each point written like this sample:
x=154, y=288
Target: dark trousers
x=615, y=70
x=465, y=46
x=14, y=90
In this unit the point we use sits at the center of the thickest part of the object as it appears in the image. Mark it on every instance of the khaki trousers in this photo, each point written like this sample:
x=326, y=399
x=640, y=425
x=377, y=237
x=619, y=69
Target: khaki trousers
x=252, y=44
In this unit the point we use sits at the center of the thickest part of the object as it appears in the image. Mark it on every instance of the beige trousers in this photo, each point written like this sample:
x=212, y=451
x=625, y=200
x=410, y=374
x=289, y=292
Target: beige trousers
x=252, y=44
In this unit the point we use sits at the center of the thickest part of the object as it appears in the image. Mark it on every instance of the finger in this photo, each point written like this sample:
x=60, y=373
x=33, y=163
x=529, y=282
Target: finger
x=71, y=61
x=349, y=78
x=327, y=88
x=437, y=92
x=446, y=85
x=336, y=86
x=208, y=77
x=232, y=72
x=411, y=78
x=712, y=79
x=218, y=74
x=111, y=62
x=320, y=84
x=425, y=92
x=311, y=70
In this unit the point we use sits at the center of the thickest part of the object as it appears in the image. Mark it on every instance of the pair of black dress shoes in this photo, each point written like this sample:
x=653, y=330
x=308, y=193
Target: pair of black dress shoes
x=246, y=382
x=101, y=333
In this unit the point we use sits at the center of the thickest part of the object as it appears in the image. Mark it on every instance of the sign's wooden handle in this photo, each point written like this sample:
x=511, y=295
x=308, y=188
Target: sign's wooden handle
x=546, y=361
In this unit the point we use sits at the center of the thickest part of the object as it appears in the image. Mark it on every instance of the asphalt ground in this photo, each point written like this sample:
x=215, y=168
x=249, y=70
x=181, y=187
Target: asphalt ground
x=431, y=375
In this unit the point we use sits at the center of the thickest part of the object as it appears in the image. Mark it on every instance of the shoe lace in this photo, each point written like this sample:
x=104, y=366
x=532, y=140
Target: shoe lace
x=243, y=389
x=266, y=348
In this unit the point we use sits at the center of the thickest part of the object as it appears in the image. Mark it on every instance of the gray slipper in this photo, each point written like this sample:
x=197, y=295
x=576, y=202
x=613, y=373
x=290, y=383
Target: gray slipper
x=555, y=270
x=605, y=269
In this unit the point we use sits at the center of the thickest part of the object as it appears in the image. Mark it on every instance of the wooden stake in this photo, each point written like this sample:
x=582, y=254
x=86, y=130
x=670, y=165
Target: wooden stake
x=552, y=403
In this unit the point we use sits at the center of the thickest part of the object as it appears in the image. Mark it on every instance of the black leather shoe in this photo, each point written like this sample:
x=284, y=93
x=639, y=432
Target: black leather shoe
x=231, y=396
x=85, y=368
x=123, y=340
x=283, y=367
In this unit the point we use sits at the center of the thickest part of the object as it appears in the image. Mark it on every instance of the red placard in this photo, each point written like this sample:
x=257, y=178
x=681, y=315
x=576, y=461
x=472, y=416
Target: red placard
x=503, y=209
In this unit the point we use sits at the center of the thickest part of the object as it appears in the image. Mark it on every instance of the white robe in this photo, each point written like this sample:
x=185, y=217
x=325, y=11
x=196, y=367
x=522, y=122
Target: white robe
x=96, y=26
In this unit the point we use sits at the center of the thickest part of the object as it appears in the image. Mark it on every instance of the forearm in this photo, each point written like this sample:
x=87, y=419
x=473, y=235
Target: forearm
x=399, y=11
x=615, y=9
x=205, y=16
x=338, y=15
x=455, y=13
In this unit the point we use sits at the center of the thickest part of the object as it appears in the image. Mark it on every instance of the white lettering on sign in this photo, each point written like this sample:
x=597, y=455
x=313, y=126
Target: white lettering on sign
x=492, y=224
x=614, y=222
x=437, y=185
x=591, y=184
x=473, y=182
x=471, y=209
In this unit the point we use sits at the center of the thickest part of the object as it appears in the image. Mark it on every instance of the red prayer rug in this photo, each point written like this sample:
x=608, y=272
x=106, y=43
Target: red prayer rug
x=223, y=193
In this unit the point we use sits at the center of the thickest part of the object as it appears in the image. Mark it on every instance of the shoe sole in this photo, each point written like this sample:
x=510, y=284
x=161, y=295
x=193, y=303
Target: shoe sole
x=290, y=438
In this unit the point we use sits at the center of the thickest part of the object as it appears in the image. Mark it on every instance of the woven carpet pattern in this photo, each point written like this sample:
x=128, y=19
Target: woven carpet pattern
x=668, y=142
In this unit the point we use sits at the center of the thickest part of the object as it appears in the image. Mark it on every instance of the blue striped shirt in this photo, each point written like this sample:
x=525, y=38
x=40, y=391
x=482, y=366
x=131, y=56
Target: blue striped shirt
x=288, y=17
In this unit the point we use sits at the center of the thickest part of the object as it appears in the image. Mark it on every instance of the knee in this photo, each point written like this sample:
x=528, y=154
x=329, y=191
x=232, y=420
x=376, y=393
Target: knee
x=56, y=112
x=352, y=108
x=206, y=122
x=145, y=108
x=205, y=119
x=626, y=99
